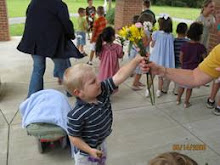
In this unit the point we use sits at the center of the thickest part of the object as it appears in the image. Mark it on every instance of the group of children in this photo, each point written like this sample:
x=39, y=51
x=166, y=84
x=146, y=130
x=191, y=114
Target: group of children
x=90, y=24
x=184, y=51
x=89, y=123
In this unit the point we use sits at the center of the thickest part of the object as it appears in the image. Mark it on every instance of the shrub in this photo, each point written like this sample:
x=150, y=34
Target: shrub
x=179, y=4
x=110, y=16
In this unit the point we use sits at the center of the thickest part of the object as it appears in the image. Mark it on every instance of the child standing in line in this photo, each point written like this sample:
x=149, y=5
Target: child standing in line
x=134, y=20
x=191, y=54
x=178, y=41
x=137, y=85
x=81, y=30
x=132, y=51
x=163, y=48
x=98, y=27
x=90, y=16
x=108, y=53
x=90, y=121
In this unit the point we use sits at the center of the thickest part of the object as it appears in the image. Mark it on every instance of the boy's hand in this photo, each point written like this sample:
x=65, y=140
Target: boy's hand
x=95, y=153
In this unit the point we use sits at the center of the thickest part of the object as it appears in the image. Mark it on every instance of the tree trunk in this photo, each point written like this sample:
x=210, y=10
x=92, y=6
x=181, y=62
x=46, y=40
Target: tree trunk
x=109, y=4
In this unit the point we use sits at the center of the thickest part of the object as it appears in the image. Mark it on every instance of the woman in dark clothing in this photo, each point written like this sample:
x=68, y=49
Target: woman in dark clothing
x=48, y=33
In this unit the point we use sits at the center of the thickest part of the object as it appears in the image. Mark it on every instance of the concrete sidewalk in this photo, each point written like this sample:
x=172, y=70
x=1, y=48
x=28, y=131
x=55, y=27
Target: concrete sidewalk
x=140, y=131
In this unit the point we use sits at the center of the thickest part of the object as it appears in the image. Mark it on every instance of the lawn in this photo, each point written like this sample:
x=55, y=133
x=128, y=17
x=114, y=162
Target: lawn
x=177, y=12
x=17, y=8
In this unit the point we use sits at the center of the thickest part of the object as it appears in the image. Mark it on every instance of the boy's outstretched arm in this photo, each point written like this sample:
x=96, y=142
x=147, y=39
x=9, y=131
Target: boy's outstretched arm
x=80, y=144
x=126, y=70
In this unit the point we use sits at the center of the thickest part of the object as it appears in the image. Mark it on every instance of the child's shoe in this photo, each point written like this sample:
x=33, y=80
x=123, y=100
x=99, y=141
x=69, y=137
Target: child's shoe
x=178, y=102
x=187, y=105
x=158, y=93
x=89, y=62
x=136, y=88
x=216, y=111
x=146, y=93
x=141, y=84
x=210, y=104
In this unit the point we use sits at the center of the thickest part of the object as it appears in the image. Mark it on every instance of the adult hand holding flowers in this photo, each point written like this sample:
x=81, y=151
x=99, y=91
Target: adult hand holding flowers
x=153, y=68
x=136, y=35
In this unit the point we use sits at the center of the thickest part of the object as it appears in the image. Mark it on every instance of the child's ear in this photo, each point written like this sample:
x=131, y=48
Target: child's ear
x=76, y=92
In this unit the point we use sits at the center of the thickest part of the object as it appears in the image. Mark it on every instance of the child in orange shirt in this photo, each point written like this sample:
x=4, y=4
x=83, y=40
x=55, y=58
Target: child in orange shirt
x=98, y=26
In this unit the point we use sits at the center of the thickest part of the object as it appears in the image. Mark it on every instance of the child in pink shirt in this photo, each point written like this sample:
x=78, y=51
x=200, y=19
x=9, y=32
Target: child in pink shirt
x=108, y=53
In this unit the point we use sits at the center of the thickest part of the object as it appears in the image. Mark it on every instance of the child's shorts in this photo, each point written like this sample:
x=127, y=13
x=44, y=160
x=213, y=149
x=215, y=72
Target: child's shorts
x=81, y=159
x=81, y=38
x=93, y=46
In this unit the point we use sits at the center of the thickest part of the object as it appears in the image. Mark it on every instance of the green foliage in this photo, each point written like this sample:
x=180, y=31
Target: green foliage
x=179, y=3
x=110, y=16
x=16, y=30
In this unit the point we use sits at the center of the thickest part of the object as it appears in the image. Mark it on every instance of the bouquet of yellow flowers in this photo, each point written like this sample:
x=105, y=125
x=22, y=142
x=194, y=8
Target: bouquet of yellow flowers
x=136, y=34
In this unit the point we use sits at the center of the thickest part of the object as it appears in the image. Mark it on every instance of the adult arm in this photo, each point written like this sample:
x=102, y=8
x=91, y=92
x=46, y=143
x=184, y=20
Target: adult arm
x=80, y=144
x=190, y=78
x=63, y=16
x=126, y=70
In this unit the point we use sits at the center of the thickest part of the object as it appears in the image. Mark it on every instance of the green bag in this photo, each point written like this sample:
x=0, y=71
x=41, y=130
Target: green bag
x=45, y=131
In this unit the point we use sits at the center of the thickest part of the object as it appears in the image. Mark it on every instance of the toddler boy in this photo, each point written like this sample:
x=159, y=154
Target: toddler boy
x=90, y=121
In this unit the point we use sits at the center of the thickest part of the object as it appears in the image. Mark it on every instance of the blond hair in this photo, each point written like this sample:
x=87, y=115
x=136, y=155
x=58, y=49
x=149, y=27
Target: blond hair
x=172, y=158
x=74, y=76
x=205, y=4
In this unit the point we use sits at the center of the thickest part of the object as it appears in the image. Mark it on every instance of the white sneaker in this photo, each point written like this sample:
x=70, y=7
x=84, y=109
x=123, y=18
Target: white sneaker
x=158, y=93
x=146, y=93
x=89, y=62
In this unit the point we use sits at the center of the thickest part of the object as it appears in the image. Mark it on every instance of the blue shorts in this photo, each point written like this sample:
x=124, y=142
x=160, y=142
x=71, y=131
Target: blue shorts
x=81, y=38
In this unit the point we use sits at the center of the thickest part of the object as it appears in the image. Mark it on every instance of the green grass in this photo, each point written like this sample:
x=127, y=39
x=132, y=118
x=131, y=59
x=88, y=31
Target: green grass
x=17, y=8
x=178, y=12
x=16, y=29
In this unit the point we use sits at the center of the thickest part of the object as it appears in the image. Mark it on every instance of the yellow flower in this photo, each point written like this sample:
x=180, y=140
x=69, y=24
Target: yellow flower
x=123, y=32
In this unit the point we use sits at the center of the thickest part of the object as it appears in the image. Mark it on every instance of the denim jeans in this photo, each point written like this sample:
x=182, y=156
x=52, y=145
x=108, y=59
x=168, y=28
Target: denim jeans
x=60, y=65
x=39, y=66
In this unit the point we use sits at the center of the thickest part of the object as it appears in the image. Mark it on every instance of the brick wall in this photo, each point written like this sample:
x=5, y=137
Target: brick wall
x=214, y=38
x=125, y=10
x=4, y=27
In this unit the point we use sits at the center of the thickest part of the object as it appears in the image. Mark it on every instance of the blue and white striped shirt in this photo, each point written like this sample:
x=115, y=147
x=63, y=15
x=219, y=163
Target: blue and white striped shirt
x=92, y=122
x=178, y=42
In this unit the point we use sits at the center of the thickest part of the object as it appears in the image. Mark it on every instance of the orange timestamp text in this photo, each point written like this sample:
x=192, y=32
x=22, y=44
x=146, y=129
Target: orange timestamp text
x=189, y=147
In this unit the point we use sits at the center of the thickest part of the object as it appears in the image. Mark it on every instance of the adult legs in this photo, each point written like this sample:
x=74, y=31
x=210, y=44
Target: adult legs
x=60, y=65
x=36, y=83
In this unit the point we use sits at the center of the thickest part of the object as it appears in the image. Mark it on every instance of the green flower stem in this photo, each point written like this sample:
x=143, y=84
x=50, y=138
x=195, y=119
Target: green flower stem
x=149, y=85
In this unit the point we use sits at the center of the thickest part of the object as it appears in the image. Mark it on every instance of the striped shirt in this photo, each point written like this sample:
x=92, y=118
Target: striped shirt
x=98, y=27
x=177, y=45
x=92, y=122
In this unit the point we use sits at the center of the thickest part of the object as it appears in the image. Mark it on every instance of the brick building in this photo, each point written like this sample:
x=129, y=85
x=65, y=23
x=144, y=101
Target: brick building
x=125, y=10
x=4, y=27
x=214, y=39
